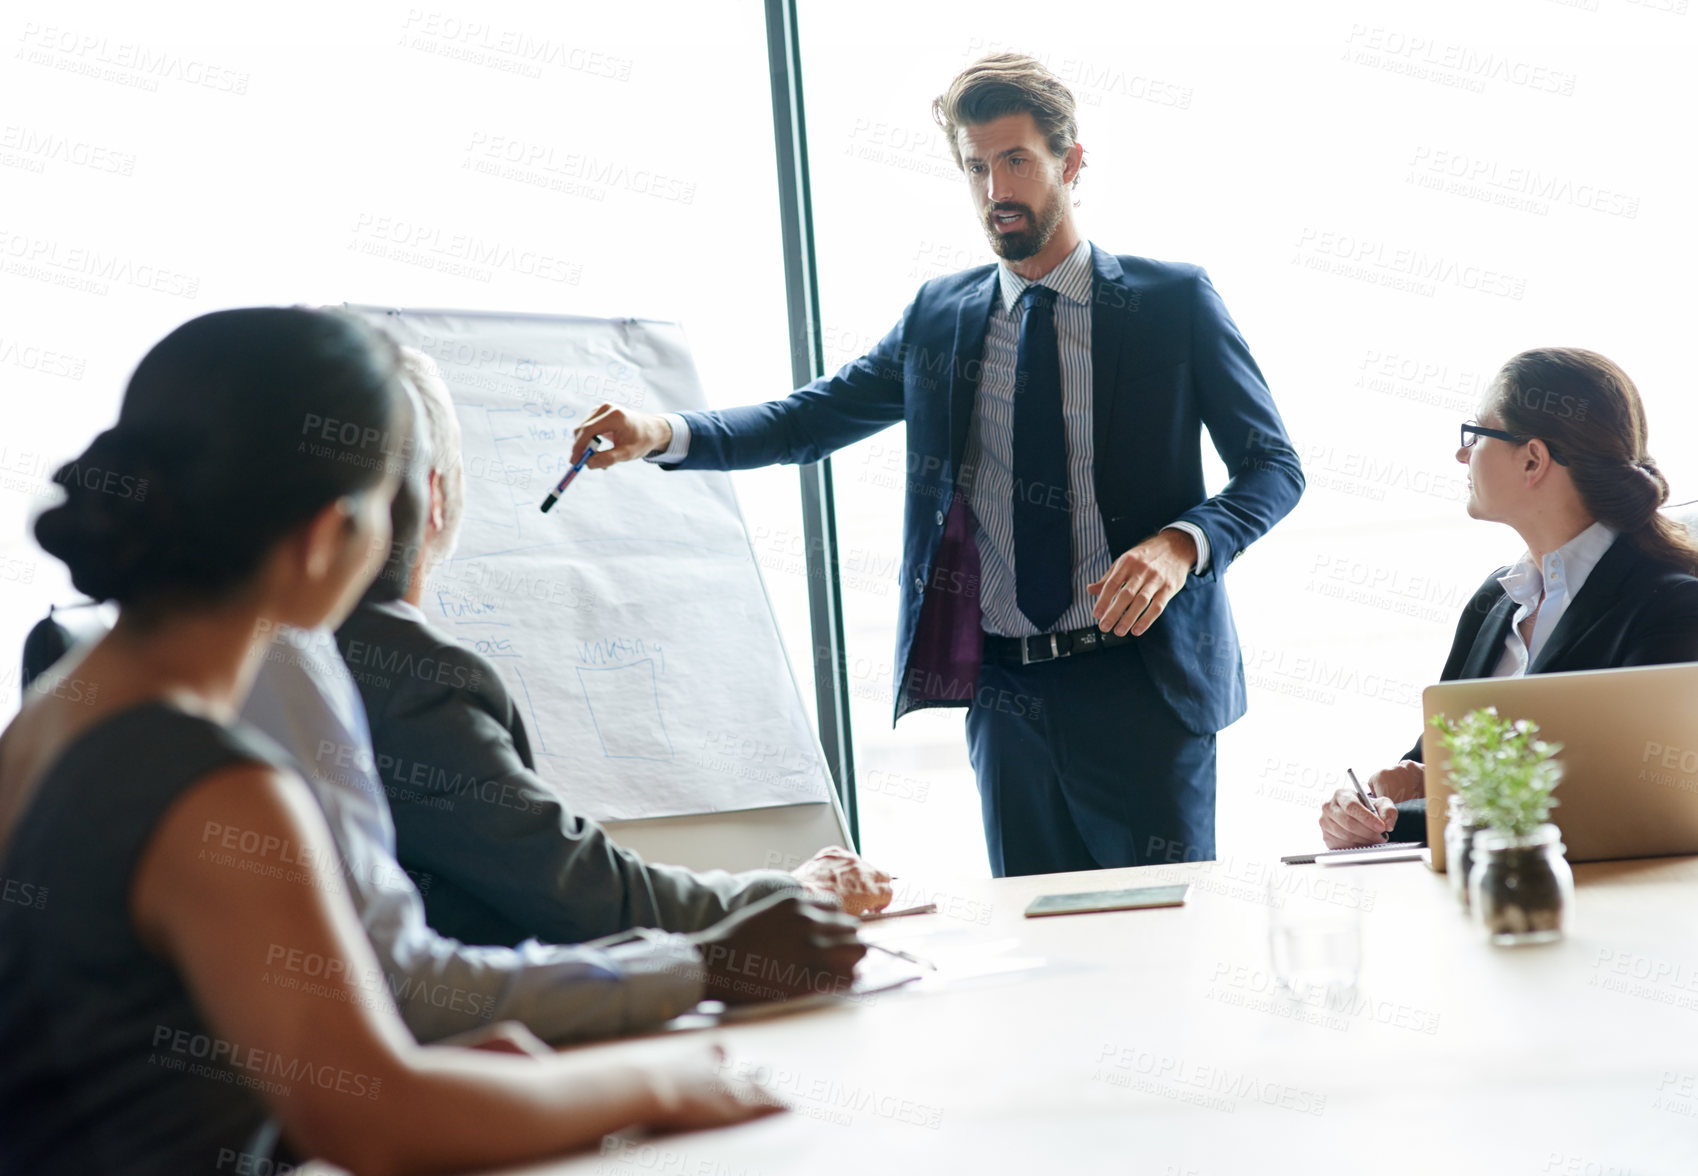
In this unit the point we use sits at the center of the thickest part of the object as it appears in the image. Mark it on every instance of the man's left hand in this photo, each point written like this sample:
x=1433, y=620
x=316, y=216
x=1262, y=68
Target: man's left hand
x=1142, y=581
x=836, y=871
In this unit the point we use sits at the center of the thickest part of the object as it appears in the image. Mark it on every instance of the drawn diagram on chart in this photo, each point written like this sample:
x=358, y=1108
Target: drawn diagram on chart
x=630, y=623
x=630, y=702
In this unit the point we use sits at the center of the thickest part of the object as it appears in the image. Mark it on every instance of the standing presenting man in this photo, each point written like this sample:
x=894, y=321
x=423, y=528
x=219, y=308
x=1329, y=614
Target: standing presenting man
x=1061, y=561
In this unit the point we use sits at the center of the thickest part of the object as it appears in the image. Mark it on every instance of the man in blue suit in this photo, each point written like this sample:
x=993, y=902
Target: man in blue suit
x=1061, y=559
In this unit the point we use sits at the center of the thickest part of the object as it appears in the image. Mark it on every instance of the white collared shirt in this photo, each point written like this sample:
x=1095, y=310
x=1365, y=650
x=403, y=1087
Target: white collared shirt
x=988, y=466
x=987, y=469
x=405, y=609
x=1558, y=578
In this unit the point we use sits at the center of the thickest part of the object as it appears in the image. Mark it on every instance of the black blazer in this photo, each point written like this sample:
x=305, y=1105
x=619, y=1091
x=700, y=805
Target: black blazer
x=1632, y=611
x=501, y=855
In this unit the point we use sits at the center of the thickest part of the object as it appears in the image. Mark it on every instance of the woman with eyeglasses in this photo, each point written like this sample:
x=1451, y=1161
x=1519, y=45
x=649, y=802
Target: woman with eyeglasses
x=189, y=965
x=1558, y=453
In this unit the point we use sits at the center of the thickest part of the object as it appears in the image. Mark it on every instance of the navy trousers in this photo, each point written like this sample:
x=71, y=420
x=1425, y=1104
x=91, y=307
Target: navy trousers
x=1082, y=766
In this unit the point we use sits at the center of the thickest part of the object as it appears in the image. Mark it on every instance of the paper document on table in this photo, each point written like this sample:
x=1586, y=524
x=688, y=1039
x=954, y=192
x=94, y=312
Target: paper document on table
x=869, y=981
x=881, y=972
x=629, y=623
x=1377, y=851
x=962, y=962
x=1406, y=852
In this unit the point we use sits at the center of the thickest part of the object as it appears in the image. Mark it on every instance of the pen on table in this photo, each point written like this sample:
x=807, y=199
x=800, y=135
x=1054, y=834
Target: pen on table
x=901, y=955
x=554, y=495
x=929, y=908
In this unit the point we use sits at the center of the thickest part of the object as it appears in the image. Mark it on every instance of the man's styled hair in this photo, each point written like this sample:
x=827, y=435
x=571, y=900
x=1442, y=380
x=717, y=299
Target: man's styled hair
x=1000, y=84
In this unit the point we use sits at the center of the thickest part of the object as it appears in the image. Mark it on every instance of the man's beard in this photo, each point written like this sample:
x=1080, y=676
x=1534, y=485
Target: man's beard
x=1029, y=241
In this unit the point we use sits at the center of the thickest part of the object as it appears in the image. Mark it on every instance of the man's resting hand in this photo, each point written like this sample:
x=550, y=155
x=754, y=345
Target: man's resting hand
x=784, y=946
x=837, y=872
x=1141, y=582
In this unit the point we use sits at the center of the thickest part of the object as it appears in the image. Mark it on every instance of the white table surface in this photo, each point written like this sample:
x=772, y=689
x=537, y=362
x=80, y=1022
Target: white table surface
x=1156, y=1042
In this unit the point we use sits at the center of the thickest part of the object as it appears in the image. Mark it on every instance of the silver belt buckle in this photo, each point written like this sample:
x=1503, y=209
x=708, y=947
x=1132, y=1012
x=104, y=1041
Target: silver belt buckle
x=1026, y=657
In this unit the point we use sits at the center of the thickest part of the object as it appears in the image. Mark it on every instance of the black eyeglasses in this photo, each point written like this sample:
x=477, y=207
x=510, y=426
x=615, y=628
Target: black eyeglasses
x=1472, y=432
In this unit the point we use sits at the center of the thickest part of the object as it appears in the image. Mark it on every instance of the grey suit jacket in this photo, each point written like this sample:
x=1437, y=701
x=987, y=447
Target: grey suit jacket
x=508, y=858
x=304, y=698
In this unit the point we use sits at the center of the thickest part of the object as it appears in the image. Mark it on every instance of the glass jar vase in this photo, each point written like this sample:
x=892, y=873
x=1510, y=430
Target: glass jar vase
x=1520, y=887
x=1459, y=828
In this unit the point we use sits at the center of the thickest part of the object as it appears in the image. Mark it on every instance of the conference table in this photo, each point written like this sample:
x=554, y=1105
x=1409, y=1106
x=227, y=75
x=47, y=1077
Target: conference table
x=1158, y=1041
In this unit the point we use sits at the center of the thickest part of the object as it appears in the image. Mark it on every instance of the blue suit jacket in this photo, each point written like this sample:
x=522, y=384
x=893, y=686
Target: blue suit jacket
x=1167, y=361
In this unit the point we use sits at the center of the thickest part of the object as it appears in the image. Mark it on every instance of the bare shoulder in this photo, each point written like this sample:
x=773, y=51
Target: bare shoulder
x=232, y=837
x=246, y=806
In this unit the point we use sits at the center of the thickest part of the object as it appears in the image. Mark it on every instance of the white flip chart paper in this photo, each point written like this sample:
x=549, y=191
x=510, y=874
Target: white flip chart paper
x=630, y=623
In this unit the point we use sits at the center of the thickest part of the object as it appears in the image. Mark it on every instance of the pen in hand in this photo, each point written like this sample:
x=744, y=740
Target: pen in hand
x=1367, y=796
x=577, y=466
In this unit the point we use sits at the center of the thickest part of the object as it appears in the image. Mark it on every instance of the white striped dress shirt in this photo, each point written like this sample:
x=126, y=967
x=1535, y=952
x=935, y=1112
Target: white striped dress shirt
x=988, y=468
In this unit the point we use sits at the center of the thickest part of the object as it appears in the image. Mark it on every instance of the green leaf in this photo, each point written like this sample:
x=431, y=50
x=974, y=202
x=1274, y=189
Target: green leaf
x=1503, y=773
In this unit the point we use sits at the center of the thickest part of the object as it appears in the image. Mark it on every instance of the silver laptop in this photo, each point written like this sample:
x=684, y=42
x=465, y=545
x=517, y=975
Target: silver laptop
x=1630, y=755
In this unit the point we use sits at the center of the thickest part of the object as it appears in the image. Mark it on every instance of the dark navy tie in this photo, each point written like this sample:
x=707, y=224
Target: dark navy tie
x=1043, y=523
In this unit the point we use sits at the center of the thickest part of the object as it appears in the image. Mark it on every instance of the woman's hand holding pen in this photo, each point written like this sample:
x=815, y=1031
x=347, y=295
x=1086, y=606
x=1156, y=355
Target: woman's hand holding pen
x=1366, y=816
x=1346, y=822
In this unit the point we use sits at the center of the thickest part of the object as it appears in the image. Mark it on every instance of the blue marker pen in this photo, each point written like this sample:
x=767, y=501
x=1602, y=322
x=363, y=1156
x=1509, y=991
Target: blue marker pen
x=554, y=495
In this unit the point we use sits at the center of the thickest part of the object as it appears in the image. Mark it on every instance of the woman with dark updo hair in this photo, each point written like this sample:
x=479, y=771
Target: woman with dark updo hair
x=188, y=976
x=1559, y=452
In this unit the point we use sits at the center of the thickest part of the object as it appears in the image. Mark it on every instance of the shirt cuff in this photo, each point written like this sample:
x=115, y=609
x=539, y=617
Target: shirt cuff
x=1202, y=541
x=662, y=976
x=680, y=447
x=760, y=885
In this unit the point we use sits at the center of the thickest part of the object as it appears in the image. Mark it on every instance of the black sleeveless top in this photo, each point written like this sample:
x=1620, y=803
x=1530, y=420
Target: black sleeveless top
x=106, y=1066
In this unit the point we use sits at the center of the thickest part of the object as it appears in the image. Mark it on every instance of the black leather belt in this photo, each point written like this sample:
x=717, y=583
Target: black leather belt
x=1025, y=651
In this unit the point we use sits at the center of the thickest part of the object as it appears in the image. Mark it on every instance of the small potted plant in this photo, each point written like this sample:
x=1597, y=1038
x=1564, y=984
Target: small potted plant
x=1519, y=884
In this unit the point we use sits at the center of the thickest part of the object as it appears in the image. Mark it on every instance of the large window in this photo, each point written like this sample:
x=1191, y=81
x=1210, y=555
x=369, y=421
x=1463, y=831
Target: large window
x=162, y=161
x=1392, y=199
